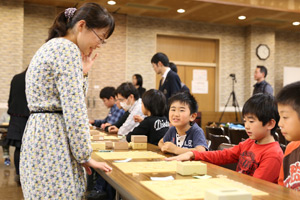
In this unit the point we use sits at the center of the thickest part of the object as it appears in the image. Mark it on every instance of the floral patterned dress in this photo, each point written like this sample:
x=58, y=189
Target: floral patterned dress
x=55, y=144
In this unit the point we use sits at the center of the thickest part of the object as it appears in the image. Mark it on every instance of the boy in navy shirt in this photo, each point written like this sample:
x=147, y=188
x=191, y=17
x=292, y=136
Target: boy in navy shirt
x=184, y=136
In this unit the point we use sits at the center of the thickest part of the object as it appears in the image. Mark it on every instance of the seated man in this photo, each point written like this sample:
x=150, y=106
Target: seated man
x=129, y=99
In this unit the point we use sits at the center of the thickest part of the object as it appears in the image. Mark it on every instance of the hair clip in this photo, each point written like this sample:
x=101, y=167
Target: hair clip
x=69, y=12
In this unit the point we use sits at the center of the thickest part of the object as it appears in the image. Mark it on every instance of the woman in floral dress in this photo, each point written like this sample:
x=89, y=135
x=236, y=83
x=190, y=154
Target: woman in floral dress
x=56, y=142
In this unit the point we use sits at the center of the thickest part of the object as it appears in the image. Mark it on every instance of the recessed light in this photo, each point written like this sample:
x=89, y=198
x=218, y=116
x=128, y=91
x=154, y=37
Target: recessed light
x=180, y=10
x=111, y=2
x=296, y=23
x=242, y=17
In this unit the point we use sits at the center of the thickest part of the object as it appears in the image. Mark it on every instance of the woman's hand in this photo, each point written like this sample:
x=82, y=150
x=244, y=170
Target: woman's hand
x=88, y=61
x=97, y=165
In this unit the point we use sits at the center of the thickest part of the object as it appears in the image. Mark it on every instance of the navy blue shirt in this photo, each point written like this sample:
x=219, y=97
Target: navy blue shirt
x=194, y=137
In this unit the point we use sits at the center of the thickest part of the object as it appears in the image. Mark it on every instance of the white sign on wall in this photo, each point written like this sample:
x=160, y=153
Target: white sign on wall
x=199, y=82
x=290, y=75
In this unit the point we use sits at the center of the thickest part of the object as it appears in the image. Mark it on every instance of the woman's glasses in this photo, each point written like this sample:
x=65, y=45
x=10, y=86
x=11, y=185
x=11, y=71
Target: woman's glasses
x=102, y=41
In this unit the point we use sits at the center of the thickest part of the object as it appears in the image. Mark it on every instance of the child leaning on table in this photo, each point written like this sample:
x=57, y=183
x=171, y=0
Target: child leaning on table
x=184, y=135
x=258, y=156
x=288, y=100
x=155, y=125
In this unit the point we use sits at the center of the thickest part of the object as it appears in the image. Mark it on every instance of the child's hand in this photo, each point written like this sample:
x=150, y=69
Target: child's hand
x=137, y=118
x=113, y=129
x=168, y=147
x=105, y=125
x=91, y=121
x=182, y=157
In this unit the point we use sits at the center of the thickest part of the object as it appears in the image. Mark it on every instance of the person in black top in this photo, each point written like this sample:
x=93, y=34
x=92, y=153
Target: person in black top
x=261, y=85
x=170, y=82
x=19, y=114
x=137, y=81
x=155, y=125
x=173, y=67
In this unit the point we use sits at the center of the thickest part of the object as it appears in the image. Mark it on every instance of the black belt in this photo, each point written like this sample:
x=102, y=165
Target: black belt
x=47, y=111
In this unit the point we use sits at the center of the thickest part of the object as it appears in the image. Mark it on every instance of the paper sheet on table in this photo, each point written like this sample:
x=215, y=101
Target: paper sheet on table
x=167, y=178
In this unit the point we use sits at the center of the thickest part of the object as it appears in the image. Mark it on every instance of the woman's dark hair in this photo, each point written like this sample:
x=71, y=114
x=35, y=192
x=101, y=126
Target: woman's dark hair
x=185, y=98
x=155, y=101
x=139, y=79
x=126, y=89
x=264, y=107
x=93, y=14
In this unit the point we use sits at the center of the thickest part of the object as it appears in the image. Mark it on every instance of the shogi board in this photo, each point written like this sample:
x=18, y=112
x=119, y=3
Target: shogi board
x=129, y=154
x=108, y=137
x=175, y=189
x=111, y=137
x=147, y=167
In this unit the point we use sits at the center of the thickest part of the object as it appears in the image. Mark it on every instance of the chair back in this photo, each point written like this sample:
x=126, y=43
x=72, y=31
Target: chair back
x=214, y=131
x=208, y=142
x=222, y=146
x=198, y=119
x=237, y=135
x=216, y=140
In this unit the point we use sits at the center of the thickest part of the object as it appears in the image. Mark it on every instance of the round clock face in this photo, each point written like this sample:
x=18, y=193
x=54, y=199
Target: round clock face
x=262, y=51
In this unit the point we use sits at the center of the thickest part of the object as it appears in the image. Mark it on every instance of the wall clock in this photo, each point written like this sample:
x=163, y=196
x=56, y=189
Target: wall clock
x=262, y=51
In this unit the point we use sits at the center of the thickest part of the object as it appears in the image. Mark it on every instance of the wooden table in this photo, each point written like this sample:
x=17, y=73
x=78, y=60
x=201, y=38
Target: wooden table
x=129, y=186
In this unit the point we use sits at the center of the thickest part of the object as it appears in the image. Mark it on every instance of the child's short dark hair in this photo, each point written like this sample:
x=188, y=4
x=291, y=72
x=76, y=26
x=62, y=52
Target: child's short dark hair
x=155, y=101
x=126, y=89
x=264, y=107
x=163, y=58
x=173, y=67
x=107, y=92
x=290, y=95
x=263, y=69
x=139, y=79
x=186, y=98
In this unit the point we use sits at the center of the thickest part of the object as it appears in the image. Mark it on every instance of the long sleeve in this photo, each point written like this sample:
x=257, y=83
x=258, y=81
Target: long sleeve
x=130, y=124
x=141, y=129
x=69, y=82
x=98, y=122
x=225, y=156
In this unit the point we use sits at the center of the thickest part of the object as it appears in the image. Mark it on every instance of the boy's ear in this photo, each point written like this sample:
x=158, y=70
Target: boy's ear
x=112, y=98
x=271, y=124
x=193, y=116
x=159, y=64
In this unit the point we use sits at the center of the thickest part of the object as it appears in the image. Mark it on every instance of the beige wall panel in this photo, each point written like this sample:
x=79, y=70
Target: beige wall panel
x=11, y=45
x=287, y=53
x=187, y=49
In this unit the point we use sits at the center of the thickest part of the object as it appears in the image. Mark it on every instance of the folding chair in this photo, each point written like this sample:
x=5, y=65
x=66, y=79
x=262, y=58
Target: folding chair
x=216, y=140
x=237, y=135
x=222, y=146
x=214, y=131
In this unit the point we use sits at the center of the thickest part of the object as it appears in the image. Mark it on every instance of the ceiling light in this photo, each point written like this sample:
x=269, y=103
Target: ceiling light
x=111, y=2
x=242, y=17
x=296, y=23
x=180, y=10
